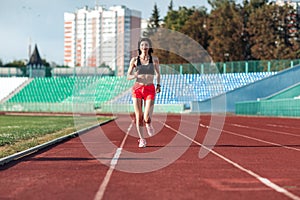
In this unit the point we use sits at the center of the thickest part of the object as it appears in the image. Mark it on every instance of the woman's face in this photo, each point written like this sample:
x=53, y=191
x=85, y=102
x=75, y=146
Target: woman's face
x=144, y=46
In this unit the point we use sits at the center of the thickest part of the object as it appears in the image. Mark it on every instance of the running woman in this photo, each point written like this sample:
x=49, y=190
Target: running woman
x=144, y=68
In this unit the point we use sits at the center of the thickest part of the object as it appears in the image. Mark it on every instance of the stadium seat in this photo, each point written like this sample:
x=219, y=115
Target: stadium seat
x=176, y=88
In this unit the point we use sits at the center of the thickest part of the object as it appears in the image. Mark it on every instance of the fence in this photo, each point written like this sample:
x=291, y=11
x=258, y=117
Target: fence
x=281, y=107
x=46, y=107
x=188, y=68
x=72, y=107
x=229, y=67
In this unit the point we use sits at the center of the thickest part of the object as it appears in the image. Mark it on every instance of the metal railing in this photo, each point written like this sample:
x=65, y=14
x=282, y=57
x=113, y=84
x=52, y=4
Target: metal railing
x=186, y=68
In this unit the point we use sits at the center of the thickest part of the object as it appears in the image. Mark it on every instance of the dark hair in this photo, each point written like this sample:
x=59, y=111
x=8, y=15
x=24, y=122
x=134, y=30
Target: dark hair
x=150, y=45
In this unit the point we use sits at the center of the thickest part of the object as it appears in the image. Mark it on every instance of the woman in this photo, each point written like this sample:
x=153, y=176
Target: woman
x=143, y=68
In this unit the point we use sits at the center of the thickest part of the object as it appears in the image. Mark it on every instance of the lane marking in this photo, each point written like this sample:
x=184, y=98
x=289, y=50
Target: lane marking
x=249, y=137
x=263, y=180
x=262, y=129
x=113, y=163
x=282, y=126
x=256, y=139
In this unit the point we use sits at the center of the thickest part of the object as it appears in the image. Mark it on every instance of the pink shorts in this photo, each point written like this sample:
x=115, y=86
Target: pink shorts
x=145, y=92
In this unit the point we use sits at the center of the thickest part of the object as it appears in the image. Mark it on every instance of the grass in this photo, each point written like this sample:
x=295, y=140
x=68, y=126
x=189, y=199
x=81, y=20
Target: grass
x=18, y=133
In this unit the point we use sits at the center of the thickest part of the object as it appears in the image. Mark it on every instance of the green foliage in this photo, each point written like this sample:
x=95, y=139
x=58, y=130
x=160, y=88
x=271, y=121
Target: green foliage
x=255, y=30
x=103, y=65
x=196, y=27
x=225, y=27
x=215, y=4
x=176, y=19
x=154, y=22
x=16, y=63
x=255, y=4
x=170, y=7
x=62, y=66
x=45, y=63
x=269, y=38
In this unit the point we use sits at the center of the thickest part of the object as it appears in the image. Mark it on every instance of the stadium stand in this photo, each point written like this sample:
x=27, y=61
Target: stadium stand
x=184, y=88
x=45, y=90
x=81, y=71
x=178, y=90
x=280, y=99
x=98, y=90
x=68, y=89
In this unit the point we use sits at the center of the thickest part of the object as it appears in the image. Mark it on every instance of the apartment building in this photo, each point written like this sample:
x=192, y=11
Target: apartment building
x=97, y=36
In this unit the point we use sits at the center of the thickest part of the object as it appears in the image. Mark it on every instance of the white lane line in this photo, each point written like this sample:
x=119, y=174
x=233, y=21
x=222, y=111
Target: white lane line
x=248, y=137
x=263, y=180
x=282, y=126
x=262, y=129
x=113, y=163
x=252, y=138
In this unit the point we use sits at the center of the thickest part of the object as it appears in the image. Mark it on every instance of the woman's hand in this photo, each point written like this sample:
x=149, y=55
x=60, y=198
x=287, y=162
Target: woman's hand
x=135, y=74
x=158, y=90
x=131, y=73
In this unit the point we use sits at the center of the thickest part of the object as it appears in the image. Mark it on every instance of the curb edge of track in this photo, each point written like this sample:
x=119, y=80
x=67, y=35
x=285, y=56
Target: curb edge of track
x=37, y=148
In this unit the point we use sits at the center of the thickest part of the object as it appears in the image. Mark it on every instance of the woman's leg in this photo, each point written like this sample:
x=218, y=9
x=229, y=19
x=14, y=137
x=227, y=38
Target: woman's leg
x=149, y=105
x=138, y=109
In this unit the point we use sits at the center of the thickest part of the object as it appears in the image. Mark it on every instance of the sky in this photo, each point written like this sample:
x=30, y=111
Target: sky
x=41, y=22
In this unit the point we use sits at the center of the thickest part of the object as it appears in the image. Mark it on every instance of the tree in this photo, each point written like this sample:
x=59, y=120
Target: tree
x=218, y=3
x=225, y=27
x=246, y=9
x=16, y=63
x=154, y=22
x=269, y=37
x=176, y=19
x=45, y=63
x=255, y=4
x=166, y=45
x=170, y=7
x=196, y=27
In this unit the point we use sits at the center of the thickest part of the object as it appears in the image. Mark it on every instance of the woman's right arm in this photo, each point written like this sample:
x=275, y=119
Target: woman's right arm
x=132, y=65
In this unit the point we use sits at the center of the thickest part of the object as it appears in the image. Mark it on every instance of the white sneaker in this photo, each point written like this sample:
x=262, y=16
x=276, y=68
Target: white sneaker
x=142, y=143
x=150, y=129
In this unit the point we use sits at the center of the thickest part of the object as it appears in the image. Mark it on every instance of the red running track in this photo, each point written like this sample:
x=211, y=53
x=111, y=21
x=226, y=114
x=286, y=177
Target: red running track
x=254, y=158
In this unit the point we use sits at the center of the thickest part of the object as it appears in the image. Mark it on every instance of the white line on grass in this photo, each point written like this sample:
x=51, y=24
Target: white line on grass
x=113, y=163
x=263, y=180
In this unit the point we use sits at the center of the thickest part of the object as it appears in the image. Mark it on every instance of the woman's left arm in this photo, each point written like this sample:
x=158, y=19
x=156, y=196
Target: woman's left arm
x=156, y=67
